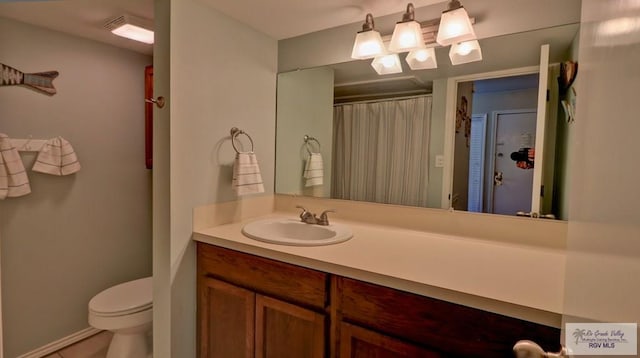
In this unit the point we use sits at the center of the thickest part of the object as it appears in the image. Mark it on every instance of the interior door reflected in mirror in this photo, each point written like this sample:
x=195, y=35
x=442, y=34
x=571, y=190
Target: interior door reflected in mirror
x=503, y=128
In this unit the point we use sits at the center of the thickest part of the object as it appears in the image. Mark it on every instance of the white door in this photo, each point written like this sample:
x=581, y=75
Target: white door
x=540, y=126
x=540, y=130
x=515, y=133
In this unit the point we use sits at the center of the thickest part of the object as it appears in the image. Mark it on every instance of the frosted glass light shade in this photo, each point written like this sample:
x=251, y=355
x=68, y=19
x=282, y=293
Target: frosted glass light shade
x=387, y=64
x=406, y=36
x=135, y=33
x=368, y=44
x=422, y=59
x=455, y=27
x=465, y=52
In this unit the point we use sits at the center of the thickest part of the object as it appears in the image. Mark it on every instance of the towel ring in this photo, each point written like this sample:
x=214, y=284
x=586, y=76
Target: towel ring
x=307, y=139
x=236, y=132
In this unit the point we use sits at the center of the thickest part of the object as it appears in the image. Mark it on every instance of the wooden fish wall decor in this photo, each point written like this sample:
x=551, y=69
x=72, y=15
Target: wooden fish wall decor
x=41, y=81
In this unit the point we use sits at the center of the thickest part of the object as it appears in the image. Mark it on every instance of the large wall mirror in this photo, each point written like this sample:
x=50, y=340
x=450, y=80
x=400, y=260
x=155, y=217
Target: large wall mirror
x=431, y=138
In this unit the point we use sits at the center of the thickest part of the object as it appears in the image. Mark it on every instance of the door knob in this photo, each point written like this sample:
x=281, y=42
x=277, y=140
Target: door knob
x=529, y=349
x=497, y=179
x=159, y=101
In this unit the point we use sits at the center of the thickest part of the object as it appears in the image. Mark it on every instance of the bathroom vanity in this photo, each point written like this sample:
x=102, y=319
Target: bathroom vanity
x=387, y=292
x=249, y=304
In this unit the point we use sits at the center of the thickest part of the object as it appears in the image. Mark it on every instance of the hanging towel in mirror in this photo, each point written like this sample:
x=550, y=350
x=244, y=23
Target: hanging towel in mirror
x=13, y=178
x=57, y=158
x=313, y=171
x=246, y=174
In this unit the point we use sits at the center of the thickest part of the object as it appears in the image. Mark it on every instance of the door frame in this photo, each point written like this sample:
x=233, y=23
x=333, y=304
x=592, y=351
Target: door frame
x=449, y=126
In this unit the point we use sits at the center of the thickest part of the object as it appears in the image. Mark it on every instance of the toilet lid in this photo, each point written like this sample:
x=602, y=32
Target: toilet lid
x=129, y=297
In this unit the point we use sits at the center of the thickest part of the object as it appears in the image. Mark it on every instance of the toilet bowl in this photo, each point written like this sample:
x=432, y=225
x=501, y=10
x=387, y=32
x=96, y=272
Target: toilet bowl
x=127, y=311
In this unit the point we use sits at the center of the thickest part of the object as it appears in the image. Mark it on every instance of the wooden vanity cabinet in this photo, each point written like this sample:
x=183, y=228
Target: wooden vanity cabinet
x=359, y=342
x=250, y=306
x=439, y=328
x=254, y=307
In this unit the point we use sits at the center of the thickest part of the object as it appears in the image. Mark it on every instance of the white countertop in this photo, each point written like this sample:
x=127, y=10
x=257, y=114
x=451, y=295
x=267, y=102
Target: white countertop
x=516, y=280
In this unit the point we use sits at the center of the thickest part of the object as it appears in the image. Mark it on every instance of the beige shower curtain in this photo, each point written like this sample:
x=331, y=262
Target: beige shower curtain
x=381, y=151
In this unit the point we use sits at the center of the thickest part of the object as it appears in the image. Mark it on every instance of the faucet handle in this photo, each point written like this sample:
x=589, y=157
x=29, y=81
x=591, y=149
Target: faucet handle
x=306, y=216
x=324, y=219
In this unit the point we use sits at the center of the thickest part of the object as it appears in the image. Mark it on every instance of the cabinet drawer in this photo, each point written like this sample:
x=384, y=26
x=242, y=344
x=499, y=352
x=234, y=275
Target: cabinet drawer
x=274, y=278
x=439, y=325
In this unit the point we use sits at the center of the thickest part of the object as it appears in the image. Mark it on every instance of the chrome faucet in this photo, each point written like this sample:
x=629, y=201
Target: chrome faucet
x=307, y=216
x=311, y=218
x=324, y=219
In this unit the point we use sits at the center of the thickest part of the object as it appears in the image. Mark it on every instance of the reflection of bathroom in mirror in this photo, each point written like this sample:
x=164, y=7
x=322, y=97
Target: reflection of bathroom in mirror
x=382, y=137
x=495, y=123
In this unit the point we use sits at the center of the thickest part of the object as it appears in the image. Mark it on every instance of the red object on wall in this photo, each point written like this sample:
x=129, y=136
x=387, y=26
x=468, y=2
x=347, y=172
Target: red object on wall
x=148, y=117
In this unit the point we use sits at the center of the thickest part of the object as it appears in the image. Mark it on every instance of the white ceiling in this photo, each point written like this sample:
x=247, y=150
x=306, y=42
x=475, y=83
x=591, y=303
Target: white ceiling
x=277, y=18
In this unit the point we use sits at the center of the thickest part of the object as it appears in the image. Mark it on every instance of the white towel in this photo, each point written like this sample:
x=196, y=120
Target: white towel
x=246, y=174
x=57, y=158
x=13, y=178
x=313, y=171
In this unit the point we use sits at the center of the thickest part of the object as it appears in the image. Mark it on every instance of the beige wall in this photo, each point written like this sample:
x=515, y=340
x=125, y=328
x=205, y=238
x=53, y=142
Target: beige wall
x=72, y=236
x=222, y=75
x=603, y=262
x=305, y=107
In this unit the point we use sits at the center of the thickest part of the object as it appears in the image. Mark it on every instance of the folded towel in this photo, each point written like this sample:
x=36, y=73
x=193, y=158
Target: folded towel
x=246, y=174
x=313, y=171
x=13, y=178
x=57, y=158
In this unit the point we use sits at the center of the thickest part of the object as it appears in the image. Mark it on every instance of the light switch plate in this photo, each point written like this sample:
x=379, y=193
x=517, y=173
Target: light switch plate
x=439, y=161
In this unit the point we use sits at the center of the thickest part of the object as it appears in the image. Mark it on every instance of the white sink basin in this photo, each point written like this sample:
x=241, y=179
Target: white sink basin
x=296, y=233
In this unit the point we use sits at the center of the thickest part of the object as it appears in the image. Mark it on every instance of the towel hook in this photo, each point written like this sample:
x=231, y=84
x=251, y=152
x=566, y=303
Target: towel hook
x=236, y=132
x=307, y=138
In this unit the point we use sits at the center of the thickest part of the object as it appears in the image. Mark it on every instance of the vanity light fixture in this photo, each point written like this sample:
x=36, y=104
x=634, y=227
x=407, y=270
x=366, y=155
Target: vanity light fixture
x=455, y=25
x=368, y=43
x=387, y=64
x=407, y=34
x=131, y=27
x=465, y=52
x=422, y=59
x=454, y=28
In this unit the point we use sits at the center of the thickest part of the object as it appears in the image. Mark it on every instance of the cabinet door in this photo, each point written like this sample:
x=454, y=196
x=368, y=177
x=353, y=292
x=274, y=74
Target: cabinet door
x=358, y=342
x=227, y=316
x=284, y=330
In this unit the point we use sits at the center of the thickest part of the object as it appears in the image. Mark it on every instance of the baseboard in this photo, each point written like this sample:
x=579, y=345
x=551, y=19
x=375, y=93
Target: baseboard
x=61, y=343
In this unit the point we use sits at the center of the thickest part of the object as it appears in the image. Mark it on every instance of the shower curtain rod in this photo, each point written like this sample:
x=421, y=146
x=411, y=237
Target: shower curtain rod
x=384, y=99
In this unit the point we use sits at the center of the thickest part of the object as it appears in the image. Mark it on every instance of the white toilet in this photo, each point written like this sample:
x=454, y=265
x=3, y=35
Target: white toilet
x=125, y=310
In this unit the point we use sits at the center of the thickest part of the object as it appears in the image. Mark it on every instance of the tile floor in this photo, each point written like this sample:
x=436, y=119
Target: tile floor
x=92, y=347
